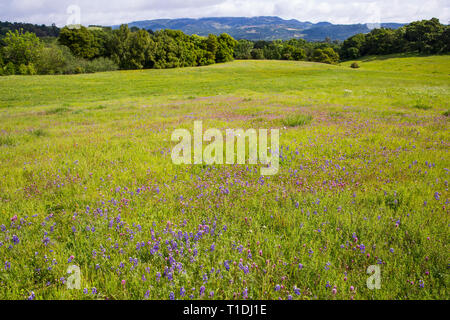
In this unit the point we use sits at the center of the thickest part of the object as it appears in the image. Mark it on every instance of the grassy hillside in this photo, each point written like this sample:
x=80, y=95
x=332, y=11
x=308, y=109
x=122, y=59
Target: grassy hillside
x=402, y=79
x=85, y=166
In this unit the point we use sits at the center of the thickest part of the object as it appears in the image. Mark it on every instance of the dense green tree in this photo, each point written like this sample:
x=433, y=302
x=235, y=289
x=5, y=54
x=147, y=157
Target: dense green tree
x=257, y=54
x=380, y=41
x=444, y=40
x=39, y=30
x=353, y=47
x=291, y=52
x=9, y=69
x=424, y=35
x=202, y=55
x=51, y=60
x=352, y=53
x=103, y=39
x=118, y=45
x=212, y=44
x=165, y=53
x=225, y=49
x=80, y=41
x=260, y=44
x=243, y=49
x=21, y=48
x=327, y=55
x=137, y=46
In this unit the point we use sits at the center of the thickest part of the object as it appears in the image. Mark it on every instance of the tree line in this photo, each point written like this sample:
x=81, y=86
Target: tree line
x=424, y=37
x=294, y=49
x=39, y=30
x=80, y=49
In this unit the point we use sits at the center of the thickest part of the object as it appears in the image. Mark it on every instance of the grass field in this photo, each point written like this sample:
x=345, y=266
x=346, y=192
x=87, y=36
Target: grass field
x=86, y=179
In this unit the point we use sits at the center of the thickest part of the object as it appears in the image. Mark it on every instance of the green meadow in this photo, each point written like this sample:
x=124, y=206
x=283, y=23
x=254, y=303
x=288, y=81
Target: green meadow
x=86, y=179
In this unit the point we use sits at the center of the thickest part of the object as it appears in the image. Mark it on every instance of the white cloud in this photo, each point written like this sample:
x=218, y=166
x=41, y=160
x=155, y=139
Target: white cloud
x=108, y=12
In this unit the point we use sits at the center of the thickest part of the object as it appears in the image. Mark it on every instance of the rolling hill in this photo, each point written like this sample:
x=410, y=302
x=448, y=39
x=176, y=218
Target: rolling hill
x=259, y=28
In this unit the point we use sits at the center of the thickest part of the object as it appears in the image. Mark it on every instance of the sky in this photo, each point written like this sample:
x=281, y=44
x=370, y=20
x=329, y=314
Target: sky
x=112, y=12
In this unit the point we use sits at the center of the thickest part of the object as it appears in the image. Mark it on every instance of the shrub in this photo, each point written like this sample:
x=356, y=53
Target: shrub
x=327, y=55
x=10, y=69
x=6, y=140
x=422, y=106
x=100, y=65
x=51, y=60
x=297, y=120
x=38, y=132
x=78, y=70
x=74, y=65
x=21, y=48
x=22, y=70
x=28, y=69
x=354, y=65
x=257, y=54
x=57, y=110
x=31, y=69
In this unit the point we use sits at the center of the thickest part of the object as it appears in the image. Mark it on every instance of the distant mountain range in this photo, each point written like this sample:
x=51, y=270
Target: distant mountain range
x=259, y=28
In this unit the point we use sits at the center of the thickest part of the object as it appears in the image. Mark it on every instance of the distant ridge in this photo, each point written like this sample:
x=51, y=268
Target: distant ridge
x=259, y=28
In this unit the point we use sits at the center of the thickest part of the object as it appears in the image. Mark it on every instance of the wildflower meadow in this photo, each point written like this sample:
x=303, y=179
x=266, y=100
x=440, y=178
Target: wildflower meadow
x=93, y=207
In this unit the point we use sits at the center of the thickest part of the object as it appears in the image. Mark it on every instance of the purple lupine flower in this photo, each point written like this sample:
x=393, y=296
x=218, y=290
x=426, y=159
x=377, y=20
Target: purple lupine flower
x=245, y=294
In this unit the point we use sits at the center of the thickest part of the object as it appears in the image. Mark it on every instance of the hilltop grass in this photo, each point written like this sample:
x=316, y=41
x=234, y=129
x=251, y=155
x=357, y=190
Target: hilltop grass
x=86, y=179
